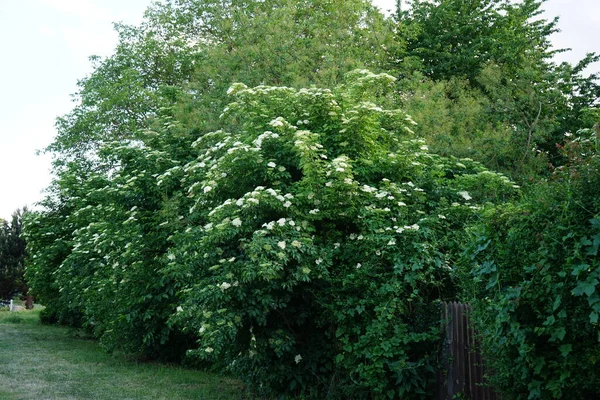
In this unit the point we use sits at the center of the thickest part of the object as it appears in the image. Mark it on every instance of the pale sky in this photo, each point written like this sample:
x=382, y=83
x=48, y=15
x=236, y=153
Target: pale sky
x=45, y=45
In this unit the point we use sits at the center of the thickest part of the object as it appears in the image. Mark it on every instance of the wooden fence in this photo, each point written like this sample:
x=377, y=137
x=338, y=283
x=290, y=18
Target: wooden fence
x=463, y=372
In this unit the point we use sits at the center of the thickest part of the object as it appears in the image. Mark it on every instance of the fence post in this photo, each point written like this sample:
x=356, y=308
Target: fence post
x=10, y=306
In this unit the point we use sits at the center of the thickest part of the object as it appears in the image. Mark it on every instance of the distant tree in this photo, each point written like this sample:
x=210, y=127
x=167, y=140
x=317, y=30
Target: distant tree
x=501, y=52
x=12, y=256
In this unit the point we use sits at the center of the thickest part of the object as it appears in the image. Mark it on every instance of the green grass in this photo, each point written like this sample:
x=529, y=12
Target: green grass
x=46, y=363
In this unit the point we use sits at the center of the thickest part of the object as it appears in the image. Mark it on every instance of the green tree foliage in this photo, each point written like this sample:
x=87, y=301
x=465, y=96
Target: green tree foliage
x=534, y=277
x=12, y=256
x=500, y=53
x=450, y=38
x=188, y=52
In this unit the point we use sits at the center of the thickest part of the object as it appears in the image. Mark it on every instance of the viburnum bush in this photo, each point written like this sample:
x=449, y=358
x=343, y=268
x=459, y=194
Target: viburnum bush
x=319, y=240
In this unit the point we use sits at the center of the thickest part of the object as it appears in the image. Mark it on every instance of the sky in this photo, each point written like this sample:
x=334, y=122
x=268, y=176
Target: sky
x=45, y=47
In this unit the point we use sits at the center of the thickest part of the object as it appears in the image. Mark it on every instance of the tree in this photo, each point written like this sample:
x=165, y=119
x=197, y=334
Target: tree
x=12, y=256
x=501, y=51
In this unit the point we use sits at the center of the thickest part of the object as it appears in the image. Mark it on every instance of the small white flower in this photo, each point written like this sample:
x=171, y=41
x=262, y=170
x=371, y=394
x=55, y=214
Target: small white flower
x=378, y=252
x=171, y=256
x=336, y=245
x=207, y=189
x=340, y=169
x=276, y=122
x=287, y=204
x=292, y=223
x=209, y=349
x=440, y=216
x=281, y=244
x=328, y=184
x=392, y=242
x=358, y=265
x=315, y=211
x=318, y=261
x=236, y=222
x=240, y=202
x=298, y=358
x=367, y=188
x=202, y=329
x=281, y=221
x=465, y=195
x=402, y=204
x=271, y=164
x=348, y=181
x=297, y=244
x=224, y=286
x=179, y=309
x=360, y=237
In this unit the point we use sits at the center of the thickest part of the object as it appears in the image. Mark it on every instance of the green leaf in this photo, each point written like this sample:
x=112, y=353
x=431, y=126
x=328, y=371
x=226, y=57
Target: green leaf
x=565, y=349
x=556, y=303
x=588, y=287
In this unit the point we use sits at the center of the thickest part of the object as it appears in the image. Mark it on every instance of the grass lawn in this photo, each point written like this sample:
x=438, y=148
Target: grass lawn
x=39, y=362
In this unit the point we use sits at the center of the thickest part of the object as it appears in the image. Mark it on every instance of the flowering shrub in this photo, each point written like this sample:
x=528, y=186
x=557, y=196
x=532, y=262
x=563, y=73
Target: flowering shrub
x=320, y=237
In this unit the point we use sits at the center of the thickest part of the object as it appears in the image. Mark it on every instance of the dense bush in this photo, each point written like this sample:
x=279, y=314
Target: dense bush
x=321, y=238
x=534, y=279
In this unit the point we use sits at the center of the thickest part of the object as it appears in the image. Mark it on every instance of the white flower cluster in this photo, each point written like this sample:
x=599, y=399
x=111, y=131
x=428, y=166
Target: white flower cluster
x=465, y=195
x=278, y=122
x=266, y=135
x=280, y=222
x=226, y=285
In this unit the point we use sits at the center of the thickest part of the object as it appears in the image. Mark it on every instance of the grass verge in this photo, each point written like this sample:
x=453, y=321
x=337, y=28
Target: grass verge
x=44, y=362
